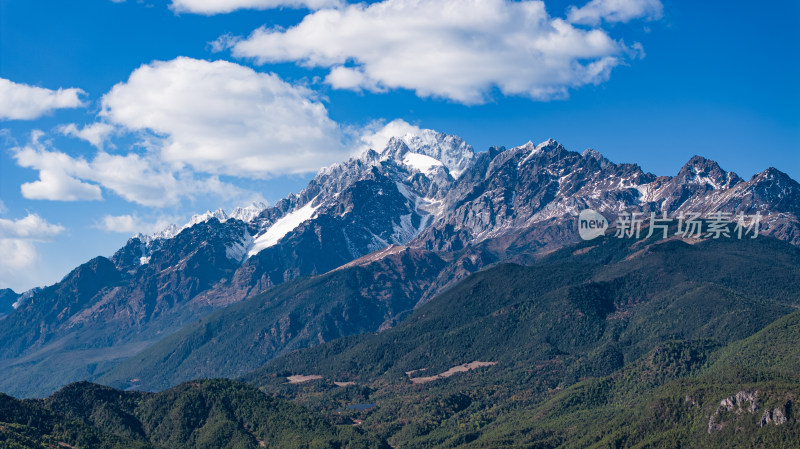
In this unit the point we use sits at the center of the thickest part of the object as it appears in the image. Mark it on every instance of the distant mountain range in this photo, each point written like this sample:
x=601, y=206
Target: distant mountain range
x=399, y=225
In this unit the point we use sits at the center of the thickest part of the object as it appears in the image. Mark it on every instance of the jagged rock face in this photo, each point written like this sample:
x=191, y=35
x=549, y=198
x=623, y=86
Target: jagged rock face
x=512, y=191
x=451, y=151
x=746, y=402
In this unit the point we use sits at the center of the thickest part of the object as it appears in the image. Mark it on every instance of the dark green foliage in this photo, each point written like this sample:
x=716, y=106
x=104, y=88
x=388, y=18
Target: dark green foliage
x=600, y=345
x=670, y=397
x=610, y=344
x=212, y=414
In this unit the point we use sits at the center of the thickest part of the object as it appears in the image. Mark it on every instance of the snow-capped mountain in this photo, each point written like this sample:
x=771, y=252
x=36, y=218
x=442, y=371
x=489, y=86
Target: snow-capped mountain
x=428, y=191
x=408, y=178
x=542, y=188
x=245, y=214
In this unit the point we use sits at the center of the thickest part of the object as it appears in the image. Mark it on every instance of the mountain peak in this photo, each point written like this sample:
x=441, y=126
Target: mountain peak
x=451, y=151
x=699, y=170
x=243, y=213
x=248, y=213
x=219, y=214
x=773, y=173
x=548, y=144
x=591, y=153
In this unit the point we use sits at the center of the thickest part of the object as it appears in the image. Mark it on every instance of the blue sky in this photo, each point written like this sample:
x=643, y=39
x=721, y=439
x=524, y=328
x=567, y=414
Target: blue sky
x=169, y=108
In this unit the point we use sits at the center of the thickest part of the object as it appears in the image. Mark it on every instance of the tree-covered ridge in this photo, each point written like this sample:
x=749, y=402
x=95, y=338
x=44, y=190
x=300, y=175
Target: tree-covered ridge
x=201, y=414
x=652, y=312
x=682, y=394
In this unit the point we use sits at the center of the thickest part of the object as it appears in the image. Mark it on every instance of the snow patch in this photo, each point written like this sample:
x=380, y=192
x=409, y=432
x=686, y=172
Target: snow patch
x=422, y=163
x=144, y=260
x=405, y=231
x=283, y=226
x=238, y=251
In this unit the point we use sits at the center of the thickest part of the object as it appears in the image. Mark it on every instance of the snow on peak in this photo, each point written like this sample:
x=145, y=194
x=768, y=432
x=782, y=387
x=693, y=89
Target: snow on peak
x=164, y=234
x=451, y=151
x=422, y=163
x=248, y=213
x=702, y=171
x=281, y=227
x=219, y=214
x=173, y=229
x=549, y=143
x=398, y=137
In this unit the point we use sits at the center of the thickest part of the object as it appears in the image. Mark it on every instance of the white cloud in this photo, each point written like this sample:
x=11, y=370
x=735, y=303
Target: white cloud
x=32, y=227
x=137, y=178
x=224, y=118
x=612, y=11
x=454, y=49
x=18, y=239
x=24, y=102
x=57, y=174
x=18, y=253
x=132, y=224
x=376, y=135
x=96, y=134
x=223, y=42
x=209, y=7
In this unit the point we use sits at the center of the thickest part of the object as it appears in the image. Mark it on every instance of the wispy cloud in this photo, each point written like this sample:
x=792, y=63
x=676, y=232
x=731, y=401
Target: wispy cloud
x=210, y=7
x=96, y=134
x=133, y=224
x=612, y=11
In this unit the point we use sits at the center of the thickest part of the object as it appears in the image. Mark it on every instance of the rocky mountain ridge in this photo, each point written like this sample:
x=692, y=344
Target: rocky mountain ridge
x=429, y=191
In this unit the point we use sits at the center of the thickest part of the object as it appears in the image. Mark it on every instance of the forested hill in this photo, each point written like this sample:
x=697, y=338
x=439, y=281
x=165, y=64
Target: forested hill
x=211, y=414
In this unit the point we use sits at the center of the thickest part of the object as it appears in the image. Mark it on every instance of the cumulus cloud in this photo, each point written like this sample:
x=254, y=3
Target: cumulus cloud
x=132, y=224
x=18, y=239
x=454, y=49
x=224, y=118
x=376, y=135
x=137, y=178
x=57, y=174
x=24, y=102
x=96, y=133
x=210, y=7
x=32, y=227
x=613, y=11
